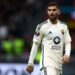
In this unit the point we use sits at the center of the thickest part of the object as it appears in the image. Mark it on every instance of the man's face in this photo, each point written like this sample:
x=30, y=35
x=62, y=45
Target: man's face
x=53, y=12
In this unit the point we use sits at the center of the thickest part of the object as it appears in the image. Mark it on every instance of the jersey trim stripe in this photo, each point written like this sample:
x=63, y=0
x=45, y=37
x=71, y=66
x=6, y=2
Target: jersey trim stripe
x=45, y=71
x=42, y=55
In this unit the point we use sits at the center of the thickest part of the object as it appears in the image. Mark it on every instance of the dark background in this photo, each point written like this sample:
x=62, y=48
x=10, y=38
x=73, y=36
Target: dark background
x=18, y=20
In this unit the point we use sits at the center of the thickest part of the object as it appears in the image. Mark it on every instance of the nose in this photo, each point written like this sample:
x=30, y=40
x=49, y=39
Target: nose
x=51, y=12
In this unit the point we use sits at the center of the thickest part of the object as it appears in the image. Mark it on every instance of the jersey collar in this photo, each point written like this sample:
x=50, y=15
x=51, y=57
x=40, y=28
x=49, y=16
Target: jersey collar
x=51, y=23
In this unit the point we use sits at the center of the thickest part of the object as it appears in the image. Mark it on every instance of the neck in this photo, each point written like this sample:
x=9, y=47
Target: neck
x=54, y=21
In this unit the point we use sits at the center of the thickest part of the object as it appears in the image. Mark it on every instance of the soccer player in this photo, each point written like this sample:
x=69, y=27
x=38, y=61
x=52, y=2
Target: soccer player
x=53, y=35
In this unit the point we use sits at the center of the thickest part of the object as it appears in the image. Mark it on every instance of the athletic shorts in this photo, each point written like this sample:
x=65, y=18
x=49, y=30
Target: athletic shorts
x=50, y=71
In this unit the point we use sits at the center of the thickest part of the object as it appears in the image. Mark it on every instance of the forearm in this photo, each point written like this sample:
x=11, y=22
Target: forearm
x=33, y=53
x=68, y=48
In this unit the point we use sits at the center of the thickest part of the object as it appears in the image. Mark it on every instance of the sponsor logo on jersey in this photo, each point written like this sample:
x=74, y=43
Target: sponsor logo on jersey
x=56, y=40
x=56, y=48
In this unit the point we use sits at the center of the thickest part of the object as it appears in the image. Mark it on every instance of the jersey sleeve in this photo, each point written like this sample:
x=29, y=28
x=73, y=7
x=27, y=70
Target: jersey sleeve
x=33, y=54
x=38, y=35
x=67, y=37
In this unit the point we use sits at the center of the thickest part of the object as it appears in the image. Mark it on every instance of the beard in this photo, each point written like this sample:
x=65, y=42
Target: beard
x=53, y=17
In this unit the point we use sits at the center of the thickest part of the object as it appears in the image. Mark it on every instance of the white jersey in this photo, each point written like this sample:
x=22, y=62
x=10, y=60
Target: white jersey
x=52, y=38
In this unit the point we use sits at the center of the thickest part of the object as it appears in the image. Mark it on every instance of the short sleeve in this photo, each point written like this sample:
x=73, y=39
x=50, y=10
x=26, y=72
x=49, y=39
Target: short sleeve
x=38, y=34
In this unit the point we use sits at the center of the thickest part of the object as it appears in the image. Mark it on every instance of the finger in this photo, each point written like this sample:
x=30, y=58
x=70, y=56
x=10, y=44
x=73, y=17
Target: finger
x=29, y=70
x=64, y=61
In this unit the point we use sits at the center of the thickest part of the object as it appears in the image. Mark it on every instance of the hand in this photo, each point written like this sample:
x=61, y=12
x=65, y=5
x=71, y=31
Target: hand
x=65, y=59
x=30, y=69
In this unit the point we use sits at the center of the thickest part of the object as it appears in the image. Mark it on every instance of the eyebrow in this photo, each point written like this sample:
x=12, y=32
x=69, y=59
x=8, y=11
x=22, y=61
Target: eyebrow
x=52, y=9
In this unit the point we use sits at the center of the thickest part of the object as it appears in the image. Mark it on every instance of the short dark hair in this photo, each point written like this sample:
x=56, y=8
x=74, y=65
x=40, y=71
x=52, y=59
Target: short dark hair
x=53, y=4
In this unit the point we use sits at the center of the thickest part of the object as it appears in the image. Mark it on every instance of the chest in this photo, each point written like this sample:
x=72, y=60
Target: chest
x=53, y=31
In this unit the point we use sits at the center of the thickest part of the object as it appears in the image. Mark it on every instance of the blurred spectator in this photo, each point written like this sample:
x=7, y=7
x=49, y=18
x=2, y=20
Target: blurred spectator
x=13, y=46
x=3, y=31
x=7, y=45
x=18, y=45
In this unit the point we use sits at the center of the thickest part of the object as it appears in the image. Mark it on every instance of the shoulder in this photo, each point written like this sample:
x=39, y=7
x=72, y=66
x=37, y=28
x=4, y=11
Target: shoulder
x=63, y=24
x=41, y=25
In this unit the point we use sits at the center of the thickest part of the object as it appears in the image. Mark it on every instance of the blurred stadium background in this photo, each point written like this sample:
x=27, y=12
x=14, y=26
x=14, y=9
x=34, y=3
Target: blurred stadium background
x=18, y=20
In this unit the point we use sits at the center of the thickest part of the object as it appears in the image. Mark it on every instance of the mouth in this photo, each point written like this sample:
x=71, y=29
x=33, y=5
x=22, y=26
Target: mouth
x=52, y=16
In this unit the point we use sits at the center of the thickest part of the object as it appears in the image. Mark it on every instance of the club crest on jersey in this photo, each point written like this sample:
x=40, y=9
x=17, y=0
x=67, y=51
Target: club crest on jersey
x=62, y=31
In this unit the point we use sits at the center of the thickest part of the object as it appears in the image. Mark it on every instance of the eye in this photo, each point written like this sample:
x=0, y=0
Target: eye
x=54, y=9
x=49, y=9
